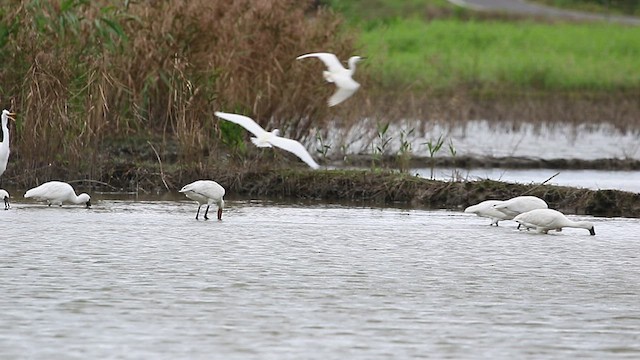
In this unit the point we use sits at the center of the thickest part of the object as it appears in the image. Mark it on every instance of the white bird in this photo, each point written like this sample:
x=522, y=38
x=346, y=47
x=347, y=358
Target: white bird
x=57, y=192
x=4, y=145
x=544, y=220
x=205, y=192
x=337, y=74
x=520, y=204
x=268, y=139
x=485, y=209
x=5, y=196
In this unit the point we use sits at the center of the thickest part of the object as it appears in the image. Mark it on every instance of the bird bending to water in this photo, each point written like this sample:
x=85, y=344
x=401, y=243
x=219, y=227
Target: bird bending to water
x=4, y=145
x=268, y=139
x=205, y=192
x=544, y=220
x=56, y=193
x=337, y=74
x=485, y=209
x=5, y=196
x=520, y=204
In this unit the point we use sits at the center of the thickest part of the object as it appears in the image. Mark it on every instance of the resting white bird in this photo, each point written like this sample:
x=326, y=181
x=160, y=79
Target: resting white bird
x=58, y=192
x=520, y=204
x=205, y=192
x=268, y=139
x=337, y=74
x=5, y=196
x=4, y=145
x=485, y=209
x=544, y=220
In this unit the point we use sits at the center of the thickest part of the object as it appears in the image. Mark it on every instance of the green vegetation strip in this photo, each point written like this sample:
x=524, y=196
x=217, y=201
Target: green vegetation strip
x=503, y=55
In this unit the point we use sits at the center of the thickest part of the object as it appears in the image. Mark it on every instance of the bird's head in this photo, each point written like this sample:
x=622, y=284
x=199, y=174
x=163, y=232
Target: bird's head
x=9, y=115
x=276, y=132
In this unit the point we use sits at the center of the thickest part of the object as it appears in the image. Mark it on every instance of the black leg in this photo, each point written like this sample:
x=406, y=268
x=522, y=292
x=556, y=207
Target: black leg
x=198, y=213
x=206, y=212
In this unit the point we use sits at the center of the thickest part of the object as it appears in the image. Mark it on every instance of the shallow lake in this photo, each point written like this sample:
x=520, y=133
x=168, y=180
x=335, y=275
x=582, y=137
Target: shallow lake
x=132, y=279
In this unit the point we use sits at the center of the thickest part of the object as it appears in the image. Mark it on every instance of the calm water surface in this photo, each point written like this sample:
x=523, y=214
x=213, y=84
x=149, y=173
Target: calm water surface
x=144, y=280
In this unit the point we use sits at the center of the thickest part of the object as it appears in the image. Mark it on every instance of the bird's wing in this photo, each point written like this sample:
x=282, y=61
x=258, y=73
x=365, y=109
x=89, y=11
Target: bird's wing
x=339, y=96
x=244, y=121
x=345, y=87
x=329, y=59
x=294, y=147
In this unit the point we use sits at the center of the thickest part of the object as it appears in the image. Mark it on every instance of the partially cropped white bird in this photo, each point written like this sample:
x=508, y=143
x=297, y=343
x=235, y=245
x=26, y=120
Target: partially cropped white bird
x=4, y=145
x=485, y=209
x=5, y=196
x=56, y=193
x=268, y=139
x=520, y=204
x=205, y=192
x=543, y=220
x=337, y=74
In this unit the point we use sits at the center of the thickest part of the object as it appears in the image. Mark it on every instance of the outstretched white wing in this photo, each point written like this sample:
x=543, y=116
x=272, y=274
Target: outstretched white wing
x=343, y=93
x=294, y=147
x=244, y=121
x=329, y=59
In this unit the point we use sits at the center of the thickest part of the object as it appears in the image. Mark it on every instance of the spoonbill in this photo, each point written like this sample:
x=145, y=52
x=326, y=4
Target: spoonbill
x=544, y=220
x=520, y=204
x=268, y=139
x=338, y=74
x=205, y=192
x=486, y=209
x=58, y=192
x=5, y=196
x=4, y=145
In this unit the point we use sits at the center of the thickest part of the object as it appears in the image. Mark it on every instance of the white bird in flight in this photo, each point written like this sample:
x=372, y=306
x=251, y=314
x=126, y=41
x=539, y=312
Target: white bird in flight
x=205, y=192
x=57, y=192
x=4, y=145
x=5, y=196
x=268, y=139
x=544, y=220
x=337, y=74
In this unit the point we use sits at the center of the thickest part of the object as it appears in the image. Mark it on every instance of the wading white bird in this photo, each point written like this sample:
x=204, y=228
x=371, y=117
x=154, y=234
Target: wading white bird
x=485, y=209
x=520, y=204
x=268, y=139
x=205, y=192
x=56, y=193
x=4, y=145
x=544, y=220
x=337, y=74
x=5, y=196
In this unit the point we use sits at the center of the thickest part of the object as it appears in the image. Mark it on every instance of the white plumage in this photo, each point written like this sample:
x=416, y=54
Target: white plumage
x=58, y=192
x=268, y=139
x=543, y=220
x=5, y=196
x=205, y=192
x=486, y=209
x=520, y=204
x=4, y=145
x=338, y=74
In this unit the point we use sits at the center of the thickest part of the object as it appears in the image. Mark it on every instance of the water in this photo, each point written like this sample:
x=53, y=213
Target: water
x=143, y=279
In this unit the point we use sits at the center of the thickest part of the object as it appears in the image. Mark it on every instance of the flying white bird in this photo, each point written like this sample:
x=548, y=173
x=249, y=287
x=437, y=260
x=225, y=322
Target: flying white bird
x=337, y=74
x=58, y=192
x=268, y=139
x=5, y=196
x=205, y=192
x=520, y=204
x=485, y=209
x=4, y=145
x=544, y=220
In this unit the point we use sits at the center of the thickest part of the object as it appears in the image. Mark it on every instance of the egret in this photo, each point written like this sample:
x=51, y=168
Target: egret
x=337, y=74
x=205, y=192
x=5, y=196
x=520, y=204
x=485, y=209
x=58, y=192
x=544, y=220
x=4, y=145
x=268, y=139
